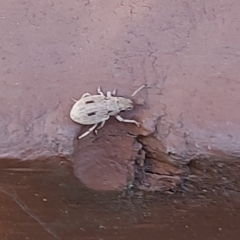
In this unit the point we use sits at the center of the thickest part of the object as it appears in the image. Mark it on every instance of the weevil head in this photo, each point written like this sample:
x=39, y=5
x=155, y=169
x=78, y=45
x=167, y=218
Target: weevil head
x=125, y=104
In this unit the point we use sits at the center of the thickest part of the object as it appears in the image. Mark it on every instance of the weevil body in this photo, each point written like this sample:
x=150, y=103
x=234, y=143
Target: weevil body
x=96, y=109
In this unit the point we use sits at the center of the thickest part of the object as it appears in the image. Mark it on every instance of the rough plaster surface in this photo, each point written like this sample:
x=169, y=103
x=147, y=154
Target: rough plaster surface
x=187, y=52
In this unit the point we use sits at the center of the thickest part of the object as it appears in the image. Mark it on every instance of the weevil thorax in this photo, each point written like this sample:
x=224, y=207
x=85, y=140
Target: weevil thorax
x=125, y=104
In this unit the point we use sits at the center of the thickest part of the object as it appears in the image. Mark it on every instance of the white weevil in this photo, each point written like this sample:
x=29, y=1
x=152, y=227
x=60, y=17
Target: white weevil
x=96, y=109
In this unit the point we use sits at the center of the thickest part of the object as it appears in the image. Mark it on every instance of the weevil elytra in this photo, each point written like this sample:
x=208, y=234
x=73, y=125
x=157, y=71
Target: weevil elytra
x=97, y=109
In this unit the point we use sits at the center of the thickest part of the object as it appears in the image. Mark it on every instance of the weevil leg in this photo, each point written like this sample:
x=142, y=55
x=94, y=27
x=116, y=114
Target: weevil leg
x=120, y=119
x=109, y=94
x=101, y=125
x=139, y=89
x=85, y=95
x=100, y=91
x=114, y=91
x=87, y=132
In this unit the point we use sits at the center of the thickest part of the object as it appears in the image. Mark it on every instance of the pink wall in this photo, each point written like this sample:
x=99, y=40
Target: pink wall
x=187, y=52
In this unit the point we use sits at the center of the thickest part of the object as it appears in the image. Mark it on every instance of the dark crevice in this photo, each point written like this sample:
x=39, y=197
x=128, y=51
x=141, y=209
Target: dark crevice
x=155, y=170
x=144, y=173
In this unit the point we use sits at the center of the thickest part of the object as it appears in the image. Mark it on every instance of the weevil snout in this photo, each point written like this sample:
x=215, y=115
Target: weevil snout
x=125, y=104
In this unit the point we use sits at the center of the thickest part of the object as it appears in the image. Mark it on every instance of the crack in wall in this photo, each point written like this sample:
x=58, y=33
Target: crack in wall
x=151, y=174
x=158, y=170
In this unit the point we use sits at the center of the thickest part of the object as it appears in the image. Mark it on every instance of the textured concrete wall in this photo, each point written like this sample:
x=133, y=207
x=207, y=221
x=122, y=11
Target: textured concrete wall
x=187, y=52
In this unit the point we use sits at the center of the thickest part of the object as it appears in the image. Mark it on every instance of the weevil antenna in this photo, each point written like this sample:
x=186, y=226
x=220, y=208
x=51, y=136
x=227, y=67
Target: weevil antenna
x=139, y=89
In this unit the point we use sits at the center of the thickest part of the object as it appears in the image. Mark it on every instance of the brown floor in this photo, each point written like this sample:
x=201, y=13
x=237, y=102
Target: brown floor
x=43, y=201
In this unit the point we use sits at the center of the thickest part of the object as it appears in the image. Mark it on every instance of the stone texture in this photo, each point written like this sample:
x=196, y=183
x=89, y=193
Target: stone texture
x=187, y=52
